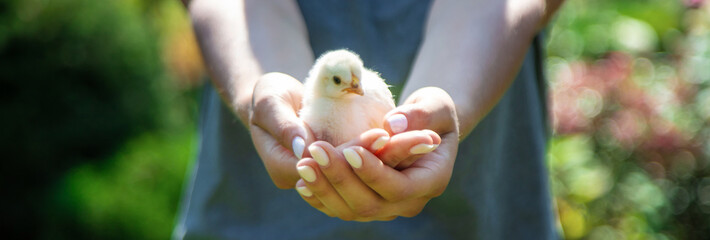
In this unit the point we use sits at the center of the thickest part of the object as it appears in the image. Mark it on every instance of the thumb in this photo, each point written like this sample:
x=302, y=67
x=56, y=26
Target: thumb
x=277, y=99
x=427, y=108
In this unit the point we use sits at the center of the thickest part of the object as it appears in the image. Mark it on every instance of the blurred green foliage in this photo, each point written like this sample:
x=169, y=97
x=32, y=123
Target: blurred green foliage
x=630, y=80
x=97, y=134
x=133, y=195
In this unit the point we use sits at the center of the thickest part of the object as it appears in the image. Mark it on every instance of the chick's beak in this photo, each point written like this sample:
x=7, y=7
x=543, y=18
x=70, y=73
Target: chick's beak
x=354, y=86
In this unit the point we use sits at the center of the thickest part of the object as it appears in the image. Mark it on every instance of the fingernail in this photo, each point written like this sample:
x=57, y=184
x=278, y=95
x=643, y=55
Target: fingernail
x=379, y=143
x=352, y=157
x=298, y=145
x=319, y=155
x=422, y=148
x=306, y=173
x=304, y=191
x=398, y=123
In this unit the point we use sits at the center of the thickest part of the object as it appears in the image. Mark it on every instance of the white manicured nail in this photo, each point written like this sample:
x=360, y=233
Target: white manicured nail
x=298, y=145
x=379, y=143
x=398, y=123
x=306, y=173
x=352, y=157
x=319, y=155
x=422, y=148
x=304, y=191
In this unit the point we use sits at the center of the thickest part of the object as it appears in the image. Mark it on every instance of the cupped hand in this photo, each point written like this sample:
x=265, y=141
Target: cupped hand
x=276, y=131
x=427, y=109
x=352, y=183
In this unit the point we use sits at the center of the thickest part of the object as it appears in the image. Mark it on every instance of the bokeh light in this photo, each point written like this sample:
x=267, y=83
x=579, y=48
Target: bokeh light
x=629, y=94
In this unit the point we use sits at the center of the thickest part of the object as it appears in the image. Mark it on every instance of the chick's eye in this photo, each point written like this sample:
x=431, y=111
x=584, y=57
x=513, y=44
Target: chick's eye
x=336, y=79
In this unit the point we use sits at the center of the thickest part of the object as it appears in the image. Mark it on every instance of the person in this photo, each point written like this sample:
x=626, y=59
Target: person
x=470, y=72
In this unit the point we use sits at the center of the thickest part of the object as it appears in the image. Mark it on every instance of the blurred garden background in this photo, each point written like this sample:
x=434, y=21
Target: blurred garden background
x=100, y=103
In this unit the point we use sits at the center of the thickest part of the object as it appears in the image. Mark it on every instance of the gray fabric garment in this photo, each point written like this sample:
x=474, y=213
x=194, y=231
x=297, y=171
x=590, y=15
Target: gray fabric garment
x=499, y=188
x=386, y=34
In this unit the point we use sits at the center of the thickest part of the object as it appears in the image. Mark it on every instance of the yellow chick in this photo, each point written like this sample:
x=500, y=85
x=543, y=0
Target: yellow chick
x=343, y=99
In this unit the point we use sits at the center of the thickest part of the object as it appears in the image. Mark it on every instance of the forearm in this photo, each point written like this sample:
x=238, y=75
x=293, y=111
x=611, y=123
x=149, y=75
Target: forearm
x=477, y=61
x=221, y=31
x=241, y=40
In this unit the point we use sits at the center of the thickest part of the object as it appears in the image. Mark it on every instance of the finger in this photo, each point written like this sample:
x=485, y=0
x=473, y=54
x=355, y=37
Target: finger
x=276, y=101
x=363, y=202
x=427, y=108
x=388, y=218
x=320, y=187
x=406, y=147
x=307, y=196
x=424, y=149
x=389, y=183
x=373, y=140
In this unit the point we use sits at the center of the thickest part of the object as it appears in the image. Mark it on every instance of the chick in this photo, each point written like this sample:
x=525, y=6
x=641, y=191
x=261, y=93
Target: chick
x=343, y=99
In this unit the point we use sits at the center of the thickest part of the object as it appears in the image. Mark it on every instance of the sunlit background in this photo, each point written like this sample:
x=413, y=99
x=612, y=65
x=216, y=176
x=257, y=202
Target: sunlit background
x=99, y=104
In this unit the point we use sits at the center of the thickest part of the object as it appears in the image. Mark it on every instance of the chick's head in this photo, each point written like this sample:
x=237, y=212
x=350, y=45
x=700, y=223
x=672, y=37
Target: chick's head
x=339, y=74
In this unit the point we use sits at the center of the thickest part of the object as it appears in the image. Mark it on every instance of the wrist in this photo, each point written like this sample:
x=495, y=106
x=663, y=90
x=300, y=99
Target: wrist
x=242, y=107
x=241, y=94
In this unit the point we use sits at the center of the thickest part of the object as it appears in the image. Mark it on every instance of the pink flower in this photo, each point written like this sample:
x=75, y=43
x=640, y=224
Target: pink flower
x=694, y=3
